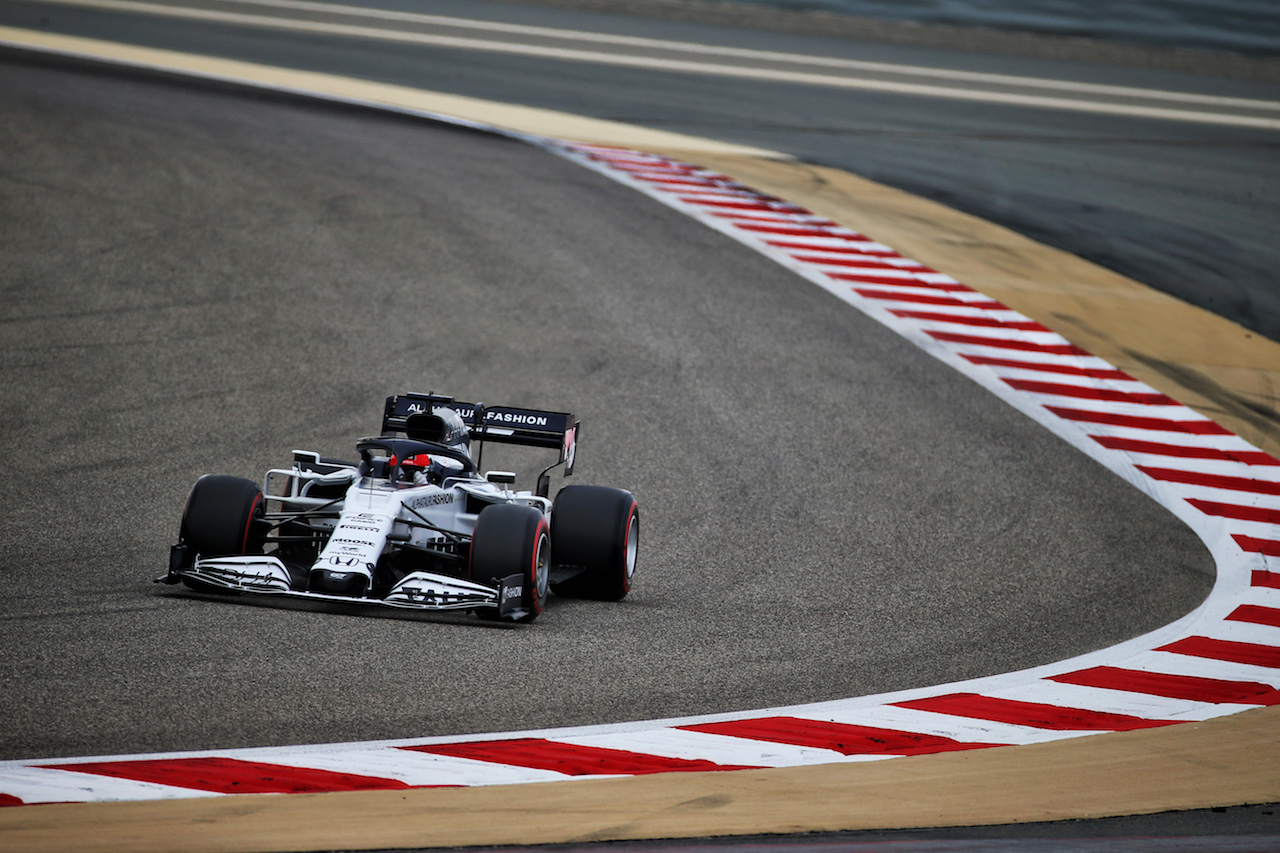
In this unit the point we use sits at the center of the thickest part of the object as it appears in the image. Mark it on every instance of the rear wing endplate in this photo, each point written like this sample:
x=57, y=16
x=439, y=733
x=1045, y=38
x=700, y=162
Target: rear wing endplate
x=502, y=424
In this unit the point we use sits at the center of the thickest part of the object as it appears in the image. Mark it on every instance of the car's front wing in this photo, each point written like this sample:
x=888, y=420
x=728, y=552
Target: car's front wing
x=266, y=575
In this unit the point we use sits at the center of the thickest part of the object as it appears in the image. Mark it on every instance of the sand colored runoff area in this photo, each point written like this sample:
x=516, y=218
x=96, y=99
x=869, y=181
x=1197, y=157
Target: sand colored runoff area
x=1226, y=372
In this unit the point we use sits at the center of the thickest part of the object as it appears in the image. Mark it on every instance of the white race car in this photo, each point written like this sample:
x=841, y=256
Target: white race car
x=414, y=523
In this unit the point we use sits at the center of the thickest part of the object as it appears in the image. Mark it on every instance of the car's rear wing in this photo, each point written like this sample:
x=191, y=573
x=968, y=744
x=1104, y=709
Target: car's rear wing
x=503, y=424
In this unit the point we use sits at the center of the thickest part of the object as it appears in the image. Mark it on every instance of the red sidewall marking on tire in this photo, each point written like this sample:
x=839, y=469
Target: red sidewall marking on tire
x=543, y=533
x=248, y=526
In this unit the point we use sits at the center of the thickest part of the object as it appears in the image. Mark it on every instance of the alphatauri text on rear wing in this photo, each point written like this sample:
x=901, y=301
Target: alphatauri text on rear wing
x=502, y=424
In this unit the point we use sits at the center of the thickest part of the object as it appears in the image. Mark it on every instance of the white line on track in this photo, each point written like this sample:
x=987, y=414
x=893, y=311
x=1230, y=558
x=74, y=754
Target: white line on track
x=748, y=53
x=1089, y=97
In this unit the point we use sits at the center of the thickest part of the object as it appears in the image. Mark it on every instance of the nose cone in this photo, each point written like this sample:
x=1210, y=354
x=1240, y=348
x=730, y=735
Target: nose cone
x=339, y=583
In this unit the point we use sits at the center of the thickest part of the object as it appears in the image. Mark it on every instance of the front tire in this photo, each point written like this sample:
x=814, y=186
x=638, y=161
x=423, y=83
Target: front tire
x=595, y=536
x=511, y=540
x=223, y=518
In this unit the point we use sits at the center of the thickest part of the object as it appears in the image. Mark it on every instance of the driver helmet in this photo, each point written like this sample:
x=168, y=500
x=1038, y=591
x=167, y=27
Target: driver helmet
x=415, y=467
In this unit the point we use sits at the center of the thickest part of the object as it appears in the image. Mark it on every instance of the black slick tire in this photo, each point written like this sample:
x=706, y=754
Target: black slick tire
x=223, y=518
x=595, y=534
x=511, y=540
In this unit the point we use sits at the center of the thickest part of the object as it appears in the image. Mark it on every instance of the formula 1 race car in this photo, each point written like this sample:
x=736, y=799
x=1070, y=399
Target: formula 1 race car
x=414, y=524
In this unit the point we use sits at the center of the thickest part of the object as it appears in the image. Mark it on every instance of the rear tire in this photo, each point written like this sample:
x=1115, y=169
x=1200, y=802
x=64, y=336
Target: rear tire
x=511, y=540
x=223, y=518
x=595, y=534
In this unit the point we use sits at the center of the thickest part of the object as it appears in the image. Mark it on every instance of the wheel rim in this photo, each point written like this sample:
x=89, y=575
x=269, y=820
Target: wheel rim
x=541, y=576
x=633, y=534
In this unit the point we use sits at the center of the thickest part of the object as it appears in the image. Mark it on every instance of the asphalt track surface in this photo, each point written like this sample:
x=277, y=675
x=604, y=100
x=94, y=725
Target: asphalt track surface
x=199, y=279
